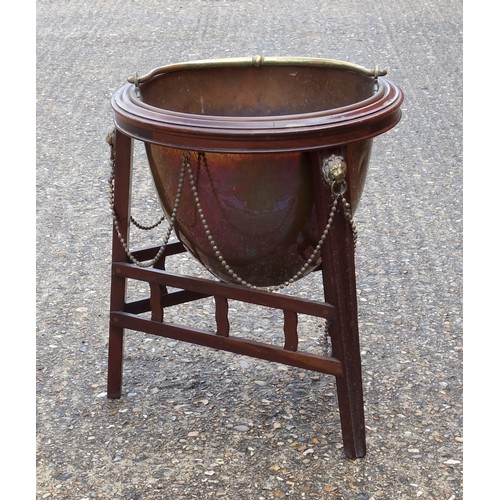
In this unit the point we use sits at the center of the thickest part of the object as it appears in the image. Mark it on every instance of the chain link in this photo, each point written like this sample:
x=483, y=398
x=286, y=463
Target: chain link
x=146, y=228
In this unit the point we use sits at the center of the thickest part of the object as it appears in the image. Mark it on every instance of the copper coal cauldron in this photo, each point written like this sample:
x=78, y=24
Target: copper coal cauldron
x=259, y=164
x=251, y=132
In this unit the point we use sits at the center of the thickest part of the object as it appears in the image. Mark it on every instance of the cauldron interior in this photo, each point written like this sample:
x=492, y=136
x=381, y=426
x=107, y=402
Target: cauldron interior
x=253, y=92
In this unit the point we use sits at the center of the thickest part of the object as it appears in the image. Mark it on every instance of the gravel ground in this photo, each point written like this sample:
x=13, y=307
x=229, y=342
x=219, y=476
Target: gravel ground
x=195, y=423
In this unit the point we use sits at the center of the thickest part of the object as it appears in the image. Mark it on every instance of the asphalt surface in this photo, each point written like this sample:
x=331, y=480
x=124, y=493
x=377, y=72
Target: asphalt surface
x=195, y=423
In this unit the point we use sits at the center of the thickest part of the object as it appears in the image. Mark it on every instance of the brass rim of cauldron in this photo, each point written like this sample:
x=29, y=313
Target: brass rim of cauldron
x=293, y=132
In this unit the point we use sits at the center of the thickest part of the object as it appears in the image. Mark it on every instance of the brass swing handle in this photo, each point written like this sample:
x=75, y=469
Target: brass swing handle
x=257, y=61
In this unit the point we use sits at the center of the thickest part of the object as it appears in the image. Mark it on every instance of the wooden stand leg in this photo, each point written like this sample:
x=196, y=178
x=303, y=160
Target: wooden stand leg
x=122, y=185
x=339, y=282
x=340, y=291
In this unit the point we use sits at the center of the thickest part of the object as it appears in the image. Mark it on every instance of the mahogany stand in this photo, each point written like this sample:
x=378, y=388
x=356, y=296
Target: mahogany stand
x=339, y=307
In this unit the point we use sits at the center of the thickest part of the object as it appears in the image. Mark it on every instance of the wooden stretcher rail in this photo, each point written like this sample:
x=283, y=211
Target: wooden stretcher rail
x=246, y=347
x=233, y=292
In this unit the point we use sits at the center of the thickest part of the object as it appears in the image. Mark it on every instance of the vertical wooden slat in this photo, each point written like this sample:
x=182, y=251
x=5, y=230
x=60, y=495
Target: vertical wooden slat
x=156, y=294
x=221, y=316
x=290, y=330
x=155, y=298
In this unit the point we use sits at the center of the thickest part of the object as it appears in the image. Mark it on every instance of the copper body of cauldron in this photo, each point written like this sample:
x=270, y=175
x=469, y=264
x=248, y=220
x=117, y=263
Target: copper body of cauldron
x=253, y=130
